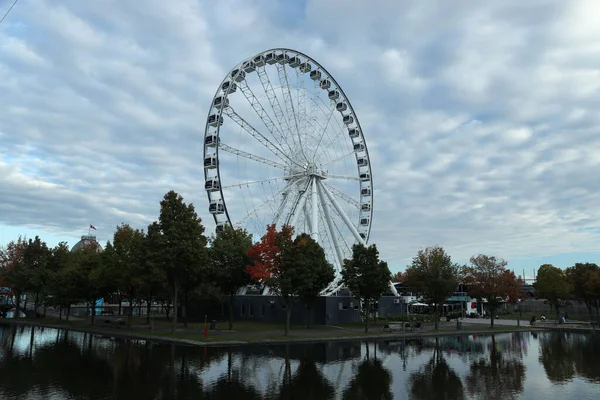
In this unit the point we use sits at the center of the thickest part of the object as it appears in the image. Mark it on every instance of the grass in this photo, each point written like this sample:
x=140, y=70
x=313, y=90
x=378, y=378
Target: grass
x=255, y=331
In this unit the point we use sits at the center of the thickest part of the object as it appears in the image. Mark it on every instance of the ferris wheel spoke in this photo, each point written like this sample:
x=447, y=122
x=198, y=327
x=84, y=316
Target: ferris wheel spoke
x=274, y=102
x=250, y=156
x=323, y=130
x=263, y=115
x=230, y=112
x=342, y=214
x=343, y=196
x=301, y=86
x=261, y=206
x=338, y=159
x=289, y=104
x=246, y=183
x=349, y=178
x=281, y=207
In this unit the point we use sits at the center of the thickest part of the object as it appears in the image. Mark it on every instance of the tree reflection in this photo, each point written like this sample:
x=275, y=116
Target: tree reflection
x=372, y=381
x=499, y=376
x=436, y=380
x=586, y=349
x=556, y=355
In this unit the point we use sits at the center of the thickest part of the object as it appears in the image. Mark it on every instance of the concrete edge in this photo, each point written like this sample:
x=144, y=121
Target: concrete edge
x=231, y=343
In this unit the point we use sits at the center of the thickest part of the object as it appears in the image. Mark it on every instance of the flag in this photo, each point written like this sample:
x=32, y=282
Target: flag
x=92, y=227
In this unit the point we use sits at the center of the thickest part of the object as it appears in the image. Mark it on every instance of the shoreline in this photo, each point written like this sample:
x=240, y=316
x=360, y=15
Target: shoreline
x=115, y=333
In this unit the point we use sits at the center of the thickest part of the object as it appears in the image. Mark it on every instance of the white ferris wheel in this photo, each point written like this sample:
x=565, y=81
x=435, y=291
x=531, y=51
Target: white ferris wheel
x=283, y=146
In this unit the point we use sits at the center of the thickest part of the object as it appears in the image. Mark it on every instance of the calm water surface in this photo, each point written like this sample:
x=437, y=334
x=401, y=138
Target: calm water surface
x=49, y=364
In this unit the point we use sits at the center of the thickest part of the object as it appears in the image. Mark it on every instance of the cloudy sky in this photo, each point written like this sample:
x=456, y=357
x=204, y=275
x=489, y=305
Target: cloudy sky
x=481, y=117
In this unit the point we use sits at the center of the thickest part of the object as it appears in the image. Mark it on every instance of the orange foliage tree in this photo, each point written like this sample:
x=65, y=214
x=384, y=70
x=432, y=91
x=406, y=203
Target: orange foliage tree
x=489, y=279
x=270, y=266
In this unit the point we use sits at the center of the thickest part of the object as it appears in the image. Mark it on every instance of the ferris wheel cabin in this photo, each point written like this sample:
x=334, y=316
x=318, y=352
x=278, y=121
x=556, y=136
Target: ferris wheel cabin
x=358, y=147
x=238, y=75
x=249, y=66
x=210, y=162
x=364, y=221
x=362, y=161
x=365, y=206
x=333, y=94
x=211, y=140
x=306, y=67
x=315, y=75
x=216, y=207
x=221, y=101
x=365, y=176
x=259, y=61
x=212, y=185
x=220, y=227
x=295, y=62
x=325, y=84
x=215, y=120
x=270, y=58
x=348, y=119
x=365, y=192
x=282, y=58
x=353, y=133
x=341, y=106
x=225, y=86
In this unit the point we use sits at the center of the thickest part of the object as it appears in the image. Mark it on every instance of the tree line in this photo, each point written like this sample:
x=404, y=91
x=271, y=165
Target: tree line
x=172, y=262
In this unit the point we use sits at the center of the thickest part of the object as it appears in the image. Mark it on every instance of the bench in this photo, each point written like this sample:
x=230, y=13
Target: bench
x=107, y=312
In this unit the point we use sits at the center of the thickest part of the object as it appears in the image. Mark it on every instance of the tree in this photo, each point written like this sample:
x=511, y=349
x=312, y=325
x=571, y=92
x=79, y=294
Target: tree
x=593, y=287
x=13, y=269
x=269, y=265
x=85, y=277
x=489, y=279
x=125, y=261
x=59, y=286
x=399, y=277
x=229, y=259
x=152, y=273
x=36, y=255
x=552, y=284
x=434, y=275
x=579, y=277
x=182, y=246
x=366, y=276
x=313, y=273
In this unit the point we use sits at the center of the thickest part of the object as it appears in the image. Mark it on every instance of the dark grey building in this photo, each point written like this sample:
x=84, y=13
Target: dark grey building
x=327, y=310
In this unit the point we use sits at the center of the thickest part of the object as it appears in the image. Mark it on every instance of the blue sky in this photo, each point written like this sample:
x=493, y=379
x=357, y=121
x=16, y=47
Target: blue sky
x=481, y=117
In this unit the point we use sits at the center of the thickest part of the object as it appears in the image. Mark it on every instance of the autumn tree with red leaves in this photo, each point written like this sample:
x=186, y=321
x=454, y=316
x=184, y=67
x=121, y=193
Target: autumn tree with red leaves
x=274, y=267
x=489, y=279
x=12, y=269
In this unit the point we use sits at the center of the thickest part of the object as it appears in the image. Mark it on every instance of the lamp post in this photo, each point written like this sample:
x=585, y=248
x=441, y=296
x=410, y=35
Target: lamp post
x=520, y=314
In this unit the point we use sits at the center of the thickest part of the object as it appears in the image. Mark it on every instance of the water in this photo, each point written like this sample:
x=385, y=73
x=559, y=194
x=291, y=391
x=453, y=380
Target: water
x=48, y=364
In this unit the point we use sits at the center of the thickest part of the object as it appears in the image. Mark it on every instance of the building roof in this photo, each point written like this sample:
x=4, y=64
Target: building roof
x=87, y=240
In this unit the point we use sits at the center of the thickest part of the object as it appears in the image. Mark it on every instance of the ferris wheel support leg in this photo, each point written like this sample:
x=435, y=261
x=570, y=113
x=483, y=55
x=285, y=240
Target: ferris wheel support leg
x=315, y=212
x=336, y=244
x=341, y=212
x=298, y=209
x=306, y=217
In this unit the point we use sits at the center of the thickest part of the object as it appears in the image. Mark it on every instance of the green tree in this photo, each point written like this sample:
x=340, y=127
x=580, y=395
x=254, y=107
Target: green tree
x=579, y=277
x=152, y=276
x=552, y=284
x=366, y=276
x=125, y=258
x=59, y=285
x=433, y=274
x=86, y=277
x=313, y=273
x=182, y=245
x=229, y=259
x=489, y=279
x=36, y=255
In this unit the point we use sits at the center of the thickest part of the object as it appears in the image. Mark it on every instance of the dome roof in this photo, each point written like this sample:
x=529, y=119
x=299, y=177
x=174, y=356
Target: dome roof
x=87, y=240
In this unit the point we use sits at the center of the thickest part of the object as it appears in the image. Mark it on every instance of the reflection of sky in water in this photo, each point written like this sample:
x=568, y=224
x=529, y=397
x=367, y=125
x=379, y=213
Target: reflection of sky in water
x=263, y=367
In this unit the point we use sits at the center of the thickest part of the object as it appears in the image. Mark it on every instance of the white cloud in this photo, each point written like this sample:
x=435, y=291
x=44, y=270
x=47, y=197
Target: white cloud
x=481, y=120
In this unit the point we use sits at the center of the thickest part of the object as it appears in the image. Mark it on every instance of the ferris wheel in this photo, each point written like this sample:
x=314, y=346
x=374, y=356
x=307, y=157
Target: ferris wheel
x=283, y=146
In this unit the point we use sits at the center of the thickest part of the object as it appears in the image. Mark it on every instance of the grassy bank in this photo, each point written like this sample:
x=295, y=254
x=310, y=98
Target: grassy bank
x=250, y=332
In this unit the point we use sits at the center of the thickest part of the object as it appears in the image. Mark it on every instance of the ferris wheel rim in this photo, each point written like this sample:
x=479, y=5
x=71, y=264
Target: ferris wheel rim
x=225, y=94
